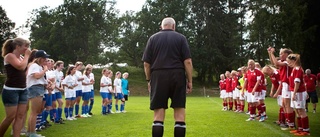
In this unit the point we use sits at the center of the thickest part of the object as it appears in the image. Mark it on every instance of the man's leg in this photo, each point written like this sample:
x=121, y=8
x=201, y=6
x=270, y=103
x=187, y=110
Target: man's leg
x=180, y=125
x=157, y=126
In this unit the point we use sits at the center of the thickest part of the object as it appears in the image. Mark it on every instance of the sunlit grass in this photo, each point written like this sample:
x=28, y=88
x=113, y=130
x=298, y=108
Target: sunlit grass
x=204, y=119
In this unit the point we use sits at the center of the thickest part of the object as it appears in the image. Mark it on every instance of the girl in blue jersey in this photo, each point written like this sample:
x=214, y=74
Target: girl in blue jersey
x=125, y=89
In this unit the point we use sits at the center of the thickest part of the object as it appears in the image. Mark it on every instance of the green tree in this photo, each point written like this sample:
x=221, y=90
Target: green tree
x=76, y=30
x=6, y=28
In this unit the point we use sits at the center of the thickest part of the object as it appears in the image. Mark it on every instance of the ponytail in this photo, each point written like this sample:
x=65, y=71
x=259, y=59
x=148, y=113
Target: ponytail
x=7, y=47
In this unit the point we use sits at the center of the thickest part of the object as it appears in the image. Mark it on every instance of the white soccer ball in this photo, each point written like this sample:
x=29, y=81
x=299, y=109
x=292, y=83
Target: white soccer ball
x=208, y=96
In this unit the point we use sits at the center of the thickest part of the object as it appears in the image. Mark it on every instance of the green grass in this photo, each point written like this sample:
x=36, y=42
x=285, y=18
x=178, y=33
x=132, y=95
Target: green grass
x=204, y=119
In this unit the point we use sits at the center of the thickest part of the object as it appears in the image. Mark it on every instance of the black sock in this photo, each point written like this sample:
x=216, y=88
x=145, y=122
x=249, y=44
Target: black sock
x=180, y=129
x=157, y=129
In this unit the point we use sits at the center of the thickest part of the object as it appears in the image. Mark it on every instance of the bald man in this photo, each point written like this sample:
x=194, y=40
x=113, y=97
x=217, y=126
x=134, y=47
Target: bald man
x=168, y=70
x=310, y=82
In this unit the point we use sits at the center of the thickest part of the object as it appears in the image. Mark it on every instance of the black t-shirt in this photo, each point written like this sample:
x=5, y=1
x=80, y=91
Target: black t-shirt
x=166, y=49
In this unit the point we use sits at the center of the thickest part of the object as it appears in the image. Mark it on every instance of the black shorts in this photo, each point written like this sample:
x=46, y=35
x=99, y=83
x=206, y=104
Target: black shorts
x=313, y=96
x=165, y=84
x=125, y=97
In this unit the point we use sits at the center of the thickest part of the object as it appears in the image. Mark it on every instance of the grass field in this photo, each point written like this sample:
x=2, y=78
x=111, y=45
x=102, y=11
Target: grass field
x=204, y=119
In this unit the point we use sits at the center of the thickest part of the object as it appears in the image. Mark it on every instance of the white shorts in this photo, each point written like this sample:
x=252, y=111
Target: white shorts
x=235, y=93
x=285, y=90
x=263, y=95
x=222, y=93
x=279, y=100
x=253, y=98
x=242, y=97
x=300, y=102
x=70, y=94
x=228, y=95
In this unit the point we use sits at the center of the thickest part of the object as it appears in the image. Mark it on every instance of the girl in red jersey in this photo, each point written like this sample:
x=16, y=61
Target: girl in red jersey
x=235, y=88
x=275, y=80
x=252, y=84
x=222, y=86
x=229, y=89
x=284, y=71
x=298, y=95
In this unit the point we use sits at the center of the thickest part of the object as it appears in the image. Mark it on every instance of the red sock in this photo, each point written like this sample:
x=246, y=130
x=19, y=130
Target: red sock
x=299, y=122
x=235, y=104
x=291, y=118
x=230, y=105
x=242, y=107
x=282, y=118
x=305, y=123
x=253, y=110
x=259, y=109
x=263, y=109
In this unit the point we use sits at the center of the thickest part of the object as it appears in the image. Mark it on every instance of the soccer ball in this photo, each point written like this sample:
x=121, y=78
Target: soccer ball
x=208, y=96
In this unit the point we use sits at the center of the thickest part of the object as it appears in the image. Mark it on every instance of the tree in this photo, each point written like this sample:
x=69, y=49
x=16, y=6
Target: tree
x=79, y=27
x=6, y=28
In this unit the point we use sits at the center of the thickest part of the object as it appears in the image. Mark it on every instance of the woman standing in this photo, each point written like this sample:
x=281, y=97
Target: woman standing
x=86, y=91
x=69, y=83
x=298, y=95
x=14, y=93
x=36, y=84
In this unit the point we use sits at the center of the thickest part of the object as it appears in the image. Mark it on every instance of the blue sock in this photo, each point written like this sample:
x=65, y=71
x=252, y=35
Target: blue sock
x=91, y=105
x=124, y=104
x=104, y=109
x=83, y=111
x=76, y=109
x=87, y=109
x=46, y=114
x=122, y=107
x=110, y=106
x=52, y=112
x=66, y=112
x=70, y=111
x=117, y=107
x=58, y=115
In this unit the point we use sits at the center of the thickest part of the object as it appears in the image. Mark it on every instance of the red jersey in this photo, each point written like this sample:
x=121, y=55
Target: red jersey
x=310, y=81
x=284, y=71
x=229, y=85
x=222, y=84
x=252, y=76
x=262, y=82
x=235, y=82
x=296, y=76
x=275, y=80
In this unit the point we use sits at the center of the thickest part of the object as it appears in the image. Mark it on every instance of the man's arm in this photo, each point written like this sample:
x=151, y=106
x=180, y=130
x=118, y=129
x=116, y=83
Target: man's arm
x=147, y=70
x=188, y=68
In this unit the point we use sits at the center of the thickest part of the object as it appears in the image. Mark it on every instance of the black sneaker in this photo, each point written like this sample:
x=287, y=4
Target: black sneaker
x=90, y=113
x=52, y=120
x=47, y=124
x=38, y=129
x=59, y=122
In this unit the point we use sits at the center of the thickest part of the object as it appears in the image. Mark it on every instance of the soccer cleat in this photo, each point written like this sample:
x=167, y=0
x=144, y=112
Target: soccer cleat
x=117, y=111
x=250, y=119
x=111, y=112
x=314, y=111
x=84, y=115
x=88, y=115
x=303, y=133
x=59, y=122
x=262, y=118
x=284, y=127
x=123, y=111
x=74, y=118
x=69, y=118
x=294, y=131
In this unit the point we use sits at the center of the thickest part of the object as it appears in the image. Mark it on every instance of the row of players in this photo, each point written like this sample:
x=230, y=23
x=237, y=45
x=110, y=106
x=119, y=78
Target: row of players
x=289, y=86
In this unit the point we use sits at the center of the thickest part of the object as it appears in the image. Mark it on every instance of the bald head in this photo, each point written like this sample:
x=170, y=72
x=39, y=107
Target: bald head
x=168, y=23
x=308, y=71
